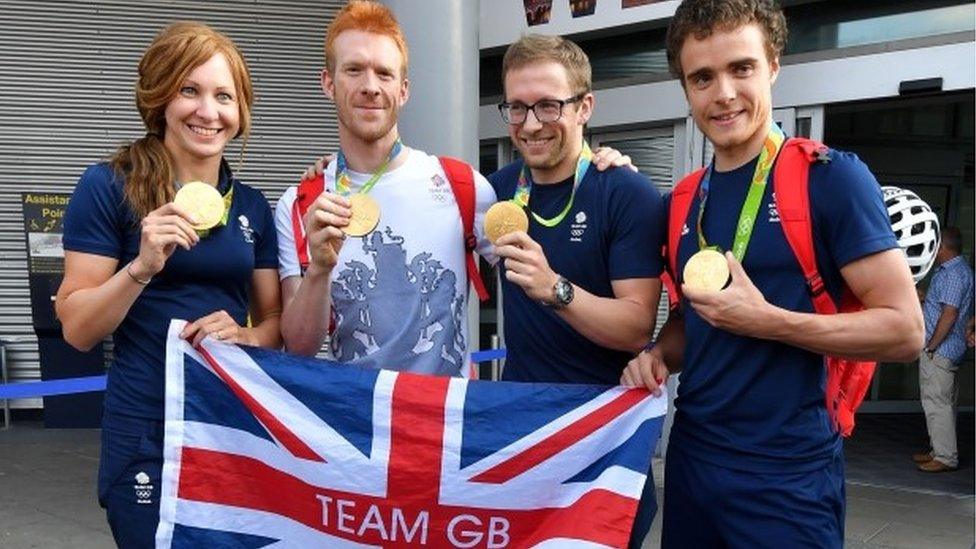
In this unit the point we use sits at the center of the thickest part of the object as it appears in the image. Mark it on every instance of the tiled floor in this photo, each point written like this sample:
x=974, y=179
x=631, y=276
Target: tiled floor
x=47, y=495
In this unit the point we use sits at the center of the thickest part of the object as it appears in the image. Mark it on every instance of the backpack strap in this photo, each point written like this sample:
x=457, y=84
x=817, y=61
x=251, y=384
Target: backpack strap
x=791, y=179
x=848, y=380
x=461, y=176
x=681, y=198
x=308, y=191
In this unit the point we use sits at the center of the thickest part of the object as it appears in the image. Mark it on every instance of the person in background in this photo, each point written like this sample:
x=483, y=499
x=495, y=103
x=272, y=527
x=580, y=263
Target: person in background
x=948, y=307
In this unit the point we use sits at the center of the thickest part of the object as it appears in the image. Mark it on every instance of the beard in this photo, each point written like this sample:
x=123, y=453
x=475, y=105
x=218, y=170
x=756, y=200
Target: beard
x=368, y=131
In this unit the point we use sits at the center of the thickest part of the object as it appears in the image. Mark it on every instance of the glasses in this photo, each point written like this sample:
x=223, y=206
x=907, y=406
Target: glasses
x=545, y=111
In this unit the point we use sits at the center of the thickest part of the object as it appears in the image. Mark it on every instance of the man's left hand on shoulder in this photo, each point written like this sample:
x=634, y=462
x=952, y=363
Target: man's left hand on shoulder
x=526, y=265
x=739, y=308
x=607, y=157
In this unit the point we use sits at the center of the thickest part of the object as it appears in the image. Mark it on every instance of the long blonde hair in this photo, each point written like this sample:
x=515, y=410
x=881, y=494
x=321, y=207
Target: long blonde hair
x=178, y=49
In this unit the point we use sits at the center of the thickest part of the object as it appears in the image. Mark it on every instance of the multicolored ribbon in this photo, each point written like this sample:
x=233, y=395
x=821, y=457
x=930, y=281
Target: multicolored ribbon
x=342, y=177
x=524, y=188
x=747, y=217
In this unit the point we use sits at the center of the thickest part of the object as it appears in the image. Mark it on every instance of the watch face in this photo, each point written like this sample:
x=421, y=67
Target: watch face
x=564, y=291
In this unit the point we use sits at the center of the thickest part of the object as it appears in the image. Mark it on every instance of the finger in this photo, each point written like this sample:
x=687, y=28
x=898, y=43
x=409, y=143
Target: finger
x=636, y=374
x=320, y=219
x=189, y=330
x=735, y=268
x=648, y=380
x=169, y=209
x=518, y=254
x=162, y=238
x=513, y=265
x=519, y=280
x=327, y=200
x=184, y=215
x=173, y=221
x=626, y=379
x=309, y=173
x=504, y=251
x=660, y=372
x=519, y=239
x=331, y=236
x=199, y=336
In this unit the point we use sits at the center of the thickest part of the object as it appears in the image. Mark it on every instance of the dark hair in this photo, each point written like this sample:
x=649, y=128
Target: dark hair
x=702, y=17
x=952, y=239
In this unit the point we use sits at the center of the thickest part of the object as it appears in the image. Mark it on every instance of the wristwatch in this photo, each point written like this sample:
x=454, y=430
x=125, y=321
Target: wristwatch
x=562, y=294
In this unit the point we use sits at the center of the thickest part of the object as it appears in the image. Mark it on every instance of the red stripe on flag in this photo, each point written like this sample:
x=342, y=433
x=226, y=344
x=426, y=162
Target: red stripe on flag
x=417, y=437
x=599, y=516
x=278, y=430
x=562, y=439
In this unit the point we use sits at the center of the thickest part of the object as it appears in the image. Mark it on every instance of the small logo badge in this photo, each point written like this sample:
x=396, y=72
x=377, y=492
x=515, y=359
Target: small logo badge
x=684, y=229
x=577, y=229
x=246, y=229
x=439, y=189
x=142, y=488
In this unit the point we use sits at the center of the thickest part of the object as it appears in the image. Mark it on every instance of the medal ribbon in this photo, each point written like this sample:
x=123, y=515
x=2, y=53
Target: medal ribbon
x=342, y=176
x=524, y=188
x=747, y=217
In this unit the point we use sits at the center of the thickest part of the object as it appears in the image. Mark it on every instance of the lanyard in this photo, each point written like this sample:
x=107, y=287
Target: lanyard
x=342, y=176
x=747, y=217
x=524, y=188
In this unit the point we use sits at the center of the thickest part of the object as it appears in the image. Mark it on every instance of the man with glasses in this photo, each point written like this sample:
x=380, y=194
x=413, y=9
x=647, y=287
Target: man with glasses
x=581, y=287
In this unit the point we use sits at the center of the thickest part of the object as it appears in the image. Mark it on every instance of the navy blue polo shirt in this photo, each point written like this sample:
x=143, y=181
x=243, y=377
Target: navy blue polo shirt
x=756, y=404
x=213, y=275
x=613, y=231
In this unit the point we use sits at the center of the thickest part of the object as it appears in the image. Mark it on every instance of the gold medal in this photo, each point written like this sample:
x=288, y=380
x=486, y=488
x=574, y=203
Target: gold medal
x=203, y=202
x=503, y=218
x=707, y=270
x=365, y=215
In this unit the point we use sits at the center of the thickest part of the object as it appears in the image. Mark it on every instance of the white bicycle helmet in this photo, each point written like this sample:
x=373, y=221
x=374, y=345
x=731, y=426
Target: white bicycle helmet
x=916, y=227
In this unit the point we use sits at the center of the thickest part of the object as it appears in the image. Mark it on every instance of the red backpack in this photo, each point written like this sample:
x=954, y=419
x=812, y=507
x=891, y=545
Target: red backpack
x=848, y=380
x=461, y=176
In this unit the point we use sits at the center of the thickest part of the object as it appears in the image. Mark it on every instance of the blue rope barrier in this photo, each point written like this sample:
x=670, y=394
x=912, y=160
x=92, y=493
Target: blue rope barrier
x=74, y=385
x=485, y=356
x=66, y=386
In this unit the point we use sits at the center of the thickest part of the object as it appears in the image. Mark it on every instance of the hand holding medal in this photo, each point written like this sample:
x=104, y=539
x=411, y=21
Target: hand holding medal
x=716, y=284
x=196, y=208
x=365, y=211
x=365, y=215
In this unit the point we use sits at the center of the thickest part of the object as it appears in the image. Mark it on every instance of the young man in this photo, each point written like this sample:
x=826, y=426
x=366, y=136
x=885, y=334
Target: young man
x=581, y=288
x=947, y=307
x=397, y=296
x=753, y=460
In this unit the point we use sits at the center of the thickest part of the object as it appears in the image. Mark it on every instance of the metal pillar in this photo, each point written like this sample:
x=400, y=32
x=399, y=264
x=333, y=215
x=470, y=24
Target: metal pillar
x=441, y=116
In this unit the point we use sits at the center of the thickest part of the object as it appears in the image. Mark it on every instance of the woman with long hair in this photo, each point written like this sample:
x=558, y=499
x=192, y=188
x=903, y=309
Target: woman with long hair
x=133, y=259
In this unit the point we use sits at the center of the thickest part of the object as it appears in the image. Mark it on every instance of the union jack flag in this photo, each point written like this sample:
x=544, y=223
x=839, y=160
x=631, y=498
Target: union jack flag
x=264, y=449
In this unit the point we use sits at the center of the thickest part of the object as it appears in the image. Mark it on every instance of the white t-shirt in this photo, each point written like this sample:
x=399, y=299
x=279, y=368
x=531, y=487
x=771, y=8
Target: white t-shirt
x=400, y=293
